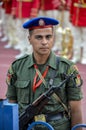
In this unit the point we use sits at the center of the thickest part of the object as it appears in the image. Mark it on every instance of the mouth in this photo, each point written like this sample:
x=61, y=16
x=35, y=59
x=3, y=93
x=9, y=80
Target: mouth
x=43, y=48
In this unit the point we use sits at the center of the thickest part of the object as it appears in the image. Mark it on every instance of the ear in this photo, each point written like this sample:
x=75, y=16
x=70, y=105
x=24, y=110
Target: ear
x=29, y=39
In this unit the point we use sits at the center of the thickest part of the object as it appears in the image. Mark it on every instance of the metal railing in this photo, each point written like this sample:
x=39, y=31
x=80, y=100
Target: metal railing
x=42, y=123
x=78, y=126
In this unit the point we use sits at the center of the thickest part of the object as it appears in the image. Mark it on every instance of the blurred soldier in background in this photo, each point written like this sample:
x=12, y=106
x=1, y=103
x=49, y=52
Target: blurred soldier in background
x=78, y=20
x=64, y=38
x=60, y=16
x=3, y=27
x=23, y=10
x=66, y=29
x=9, y=24
x=65, y=11
x=7, y=9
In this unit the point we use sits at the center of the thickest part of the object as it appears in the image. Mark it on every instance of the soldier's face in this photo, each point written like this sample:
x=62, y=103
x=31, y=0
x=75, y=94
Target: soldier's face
x=42, y=40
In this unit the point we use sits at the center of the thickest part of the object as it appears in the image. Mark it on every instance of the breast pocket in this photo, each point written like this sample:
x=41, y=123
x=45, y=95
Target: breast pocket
x=23, y=91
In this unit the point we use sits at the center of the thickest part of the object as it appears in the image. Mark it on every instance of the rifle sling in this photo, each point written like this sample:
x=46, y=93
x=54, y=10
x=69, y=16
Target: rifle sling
x=51, y=83
x=58, y=99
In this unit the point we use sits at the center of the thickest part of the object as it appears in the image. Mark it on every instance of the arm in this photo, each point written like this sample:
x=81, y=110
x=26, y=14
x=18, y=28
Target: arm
x=76, y=113
x=11, y=90
x=75, y=95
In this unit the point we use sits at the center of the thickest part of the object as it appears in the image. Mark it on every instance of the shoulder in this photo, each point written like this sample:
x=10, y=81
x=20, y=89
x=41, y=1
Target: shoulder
x=57, y=61
x=65, y=64
x=20, y=60
x=65, y=61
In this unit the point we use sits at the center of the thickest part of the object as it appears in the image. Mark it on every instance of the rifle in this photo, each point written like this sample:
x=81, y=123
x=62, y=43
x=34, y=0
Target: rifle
x=34, y=109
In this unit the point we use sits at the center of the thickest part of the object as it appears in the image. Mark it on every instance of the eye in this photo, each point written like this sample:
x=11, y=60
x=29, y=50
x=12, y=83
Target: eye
x=48, y=37
x=38, y=37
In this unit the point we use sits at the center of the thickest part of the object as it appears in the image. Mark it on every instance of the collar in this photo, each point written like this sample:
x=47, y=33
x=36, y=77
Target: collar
x=31, y=61
x=51, y=61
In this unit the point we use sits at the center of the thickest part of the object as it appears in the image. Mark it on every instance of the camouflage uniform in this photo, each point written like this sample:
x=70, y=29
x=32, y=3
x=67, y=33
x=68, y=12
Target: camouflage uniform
x=20, y=81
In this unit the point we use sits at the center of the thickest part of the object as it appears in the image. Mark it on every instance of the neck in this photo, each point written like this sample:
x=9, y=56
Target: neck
x=41, y=59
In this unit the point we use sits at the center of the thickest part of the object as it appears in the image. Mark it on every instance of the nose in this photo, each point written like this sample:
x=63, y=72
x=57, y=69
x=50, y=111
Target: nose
x=44, y=40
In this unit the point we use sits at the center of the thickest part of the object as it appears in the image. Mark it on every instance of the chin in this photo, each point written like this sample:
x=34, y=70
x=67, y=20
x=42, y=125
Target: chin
x=45, y=53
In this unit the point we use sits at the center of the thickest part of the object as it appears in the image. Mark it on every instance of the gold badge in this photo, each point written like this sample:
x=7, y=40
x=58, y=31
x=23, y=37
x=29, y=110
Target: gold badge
x=41, y=22
x=40, y=117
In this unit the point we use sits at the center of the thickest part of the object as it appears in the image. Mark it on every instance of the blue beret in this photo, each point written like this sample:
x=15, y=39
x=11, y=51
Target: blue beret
x=40, y=22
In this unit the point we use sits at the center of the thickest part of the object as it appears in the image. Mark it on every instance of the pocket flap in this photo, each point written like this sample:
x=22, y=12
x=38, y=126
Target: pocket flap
x=22, y=83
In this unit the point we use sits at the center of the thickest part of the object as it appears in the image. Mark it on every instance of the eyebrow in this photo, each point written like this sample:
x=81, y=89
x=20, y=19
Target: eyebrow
x=43, y=35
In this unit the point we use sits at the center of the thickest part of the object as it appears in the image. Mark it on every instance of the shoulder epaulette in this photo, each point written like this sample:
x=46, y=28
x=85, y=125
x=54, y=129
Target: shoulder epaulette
x=23, y=57
x=66, y=61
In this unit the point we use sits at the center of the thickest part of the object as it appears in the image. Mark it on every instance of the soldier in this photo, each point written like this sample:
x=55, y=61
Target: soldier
x=10, y=24
x=66, y=13
x=23, y=10
x=78, y=20
x=63, y=15
x=3, y=22
x=30, y=76
x=64, y=31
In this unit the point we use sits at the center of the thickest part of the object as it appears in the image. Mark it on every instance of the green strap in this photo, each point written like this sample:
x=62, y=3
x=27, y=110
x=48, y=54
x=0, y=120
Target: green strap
x=58, y=99
x=41, y=77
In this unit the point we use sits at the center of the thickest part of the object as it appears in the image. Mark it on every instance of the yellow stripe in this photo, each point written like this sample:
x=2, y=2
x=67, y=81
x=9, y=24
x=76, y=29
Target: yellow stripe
x=25, y=0
x=80, y=5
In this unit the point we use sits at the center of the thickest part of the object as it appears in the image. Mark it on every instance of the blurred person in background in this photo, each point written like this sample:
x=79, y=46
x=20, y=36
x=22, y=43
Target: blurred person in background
x=3, y=22
x=9, y=26
x=78, y=20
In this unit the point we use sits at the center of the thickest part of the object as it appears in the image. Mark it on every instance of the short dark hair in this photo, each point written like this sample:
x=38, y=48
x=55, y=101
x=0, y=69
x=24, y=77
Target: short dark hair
x=31, y=31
